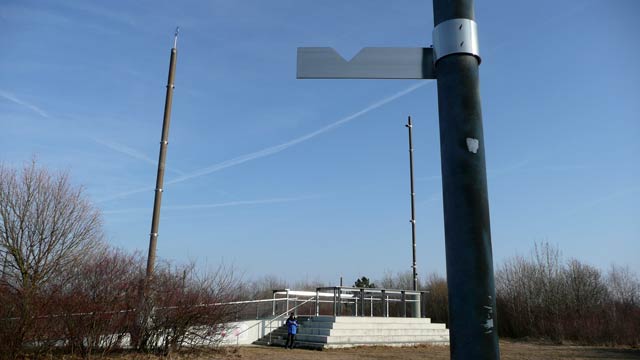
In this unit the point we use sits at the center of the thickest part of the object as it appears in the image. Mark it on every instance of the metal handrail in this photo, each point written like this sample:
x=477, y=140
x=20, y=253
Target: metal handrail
x=347, y=295
x=272, y=320
x=157, y=308
x=371, y=290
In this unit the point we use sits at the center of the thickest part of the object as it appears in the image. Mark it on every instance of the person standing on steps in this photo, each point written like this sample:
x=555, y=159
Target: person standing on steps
x=292, y=330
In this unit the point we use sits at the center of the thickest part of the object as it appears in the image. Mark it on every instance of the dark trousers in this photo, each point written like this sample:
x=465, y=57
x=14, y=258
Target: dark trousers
x=290, y=339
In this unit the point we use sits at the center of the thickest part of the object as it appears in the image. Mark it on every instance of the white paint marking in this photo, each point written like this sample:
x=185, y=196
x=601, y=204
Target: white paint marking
x=473, y=145
x=488, y=325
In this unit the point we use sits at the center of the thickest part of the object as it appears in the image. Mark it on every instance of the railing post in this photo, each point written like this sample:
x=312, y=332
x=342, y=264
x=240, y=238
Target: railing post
x=340, y=301
x=383, y=297
x=273, y=307
x=355, y=299
x=418, y=305
x=404, y=303
x=287, y=300
x=387, y=314
x=317, y=302
x=371, y=305
x=334, y=302
x=362, y=301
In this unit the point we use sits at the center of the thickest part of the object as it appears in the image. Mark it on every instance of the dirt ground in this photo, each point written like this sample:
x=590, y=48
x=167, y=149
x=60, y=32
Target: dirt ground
x=509, y=351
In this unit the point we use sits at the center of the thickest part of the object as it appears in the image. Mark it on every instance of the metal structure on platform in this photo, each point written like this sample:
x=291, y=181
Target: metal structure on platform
x=354, y=301
x=454, y=62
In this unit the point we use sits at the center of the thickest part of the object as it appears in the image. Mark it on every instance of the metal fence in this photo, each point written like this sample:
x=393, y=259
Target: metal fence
x=352, y=301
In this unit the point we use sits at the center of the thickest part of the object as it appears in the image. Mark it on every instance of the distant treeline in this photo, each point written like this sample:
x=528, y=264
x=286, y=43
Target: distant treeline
x=543, y=296
x=538, y=296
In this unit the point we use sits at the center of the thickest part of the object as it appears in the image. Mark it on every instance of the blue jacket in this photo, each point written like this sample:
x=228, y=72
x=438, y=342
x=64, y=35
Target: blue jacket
x=292, y=326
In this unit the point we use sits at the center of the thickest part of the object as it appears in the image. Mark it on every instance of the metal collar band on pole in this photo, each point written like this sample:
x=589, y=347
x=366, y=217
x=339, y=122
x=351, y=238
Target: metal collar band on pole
x=455, y=36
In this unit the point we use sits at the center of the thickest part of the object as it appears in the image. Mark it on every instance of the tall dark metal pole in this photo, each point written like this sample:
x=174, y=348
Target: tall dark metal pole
x=164, y=141
x=453, y=61
x=416, y=306
x=464, y=181
x=413, y=206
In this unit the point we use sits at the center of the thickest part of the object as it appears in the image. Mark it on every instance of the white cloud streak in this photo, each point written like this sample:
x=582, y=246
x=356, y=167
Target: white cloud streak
x=620, y=193
x=215, y=205
x=276, y=148
x=23, y=103
x=124, y=149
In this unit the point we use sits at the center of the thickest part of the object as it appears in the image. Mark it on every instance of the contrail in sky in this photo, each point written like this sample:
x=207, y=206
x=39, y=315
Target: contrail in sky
x=276, y=148
x=216, y=205
x=31, y=107
x=133, y=153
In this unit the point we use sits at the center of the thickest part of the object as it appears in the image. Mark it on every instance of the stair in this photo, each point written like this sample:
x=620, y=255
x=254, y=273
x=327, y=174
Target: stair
x=345, y=331
x=277, y=338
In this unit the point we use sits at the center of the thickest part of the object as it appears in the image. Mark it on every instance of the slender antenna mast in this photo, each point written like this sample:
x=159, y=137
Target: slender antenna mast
x=164, y=141
x=413, y=206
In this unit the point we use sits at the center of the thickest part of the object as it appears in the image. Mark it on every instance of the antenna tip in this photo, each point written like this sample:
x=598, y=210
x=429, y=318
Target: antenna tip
x=175, y=37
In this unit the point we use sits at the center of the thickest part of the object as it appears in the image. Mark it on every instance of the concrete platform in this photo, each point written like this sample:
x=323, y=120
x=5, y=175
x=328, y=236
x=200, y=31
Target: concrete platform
x=345, y=331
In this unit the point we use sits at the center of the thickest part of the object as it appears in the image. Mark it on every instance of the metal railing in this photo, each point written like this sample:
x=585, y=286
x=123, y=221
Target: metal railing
x=402, y=302
x=276, y=318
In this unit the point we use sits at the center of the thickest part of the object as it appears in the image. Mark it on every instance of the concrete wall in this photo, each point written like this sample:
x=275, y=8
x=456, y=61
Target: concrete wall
x=246, y=332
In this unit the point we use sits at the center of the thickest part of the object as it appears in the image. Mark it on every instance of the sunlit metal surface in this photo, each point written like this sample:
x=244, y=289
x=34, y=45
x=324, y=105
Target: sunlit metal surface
x=456, y=36
x=369, y=63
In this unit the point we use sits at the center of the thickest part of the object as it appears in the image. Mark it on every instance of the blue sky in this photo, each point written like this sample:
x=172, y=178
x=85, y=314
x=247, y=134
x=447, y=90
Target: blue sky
x=263, y=167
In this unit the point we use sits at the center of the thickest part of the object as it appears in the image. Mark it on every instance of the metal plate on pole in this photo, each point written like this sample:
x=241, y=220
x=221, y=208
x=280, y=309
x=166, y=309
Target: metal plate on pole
x=369, y=63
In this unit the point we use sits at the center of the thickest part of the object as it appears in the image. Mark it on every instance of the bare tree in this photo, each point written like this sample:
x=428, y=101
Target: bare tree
x=400, y=280
x=624, y=309
x=261, y=288
x=46, y=228
x=530, y=293
x=437, y=301
x=624, y=285
x=543, y=296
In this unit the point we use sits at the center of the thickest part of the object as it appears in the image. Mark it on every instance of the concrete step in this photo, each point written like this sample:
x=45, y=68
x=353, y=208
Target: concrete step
x=355, y=326
x=381, y=339
x=319, y=346
x=368, y=319
x=385, y=343
x=367, y=332
x=297, y=345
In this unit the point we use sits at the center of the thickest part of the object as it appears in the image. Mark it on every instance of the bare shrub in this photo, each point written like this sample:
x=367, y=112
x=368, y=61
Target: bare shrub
x=437, y=301
x=530, y=294
x=586, y=297
x=623, y=285
x=46, y=227
x=401, y=281
x=262, y=288
x=624, y=307
x=541, y=296
x=97, y=303
x=189, y=309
